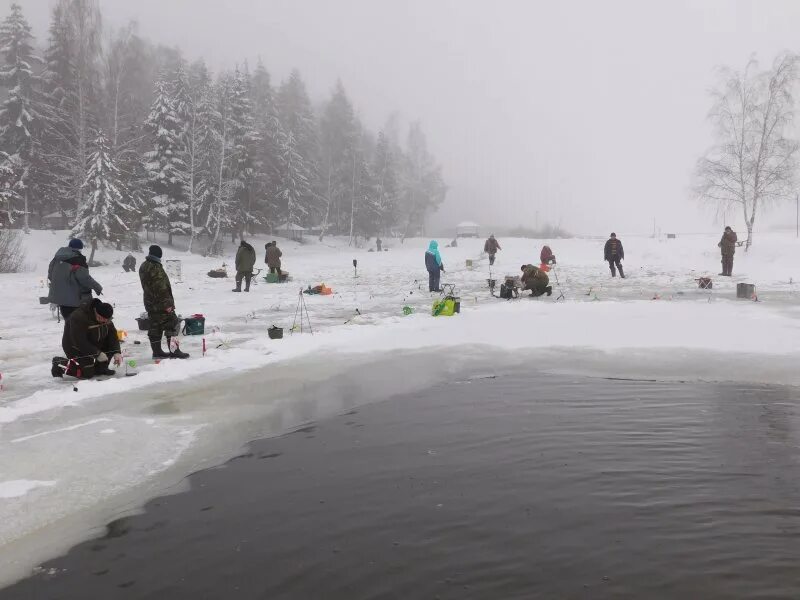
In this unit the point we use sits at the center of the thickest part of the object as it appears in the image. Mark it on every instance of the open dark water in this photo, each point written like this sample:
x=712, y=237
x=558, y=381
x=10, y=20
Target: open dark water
x=518, y=487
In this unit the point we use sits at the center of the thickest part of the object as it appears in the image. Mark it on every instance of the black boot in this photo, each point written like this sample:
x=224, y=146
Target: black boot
x=57, y=370
x=158, y=352
x=621, y=272
x=238, y=287
x=177, y=353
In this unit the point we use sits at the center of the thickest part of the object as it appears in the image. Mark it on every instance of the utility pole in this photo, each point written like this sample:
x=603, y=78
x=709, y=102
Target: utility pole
x=797, y=213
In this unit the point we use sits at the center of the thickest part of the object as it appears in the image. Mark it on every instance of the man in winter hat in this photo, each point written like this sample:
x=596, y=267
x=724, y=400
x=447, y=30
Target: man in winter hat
x=90, y=342
x=160, y=305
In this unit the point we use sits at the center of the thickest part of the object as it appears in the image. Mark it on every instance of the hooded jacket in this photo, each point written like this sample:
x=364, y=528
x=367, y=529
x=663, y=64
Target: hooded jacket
x=61, y=254
x=245, y=258
x=491, y=246
x=728, y=243
x=84, y=336
x=433, y=260
x=70, y=282
x=273, y=258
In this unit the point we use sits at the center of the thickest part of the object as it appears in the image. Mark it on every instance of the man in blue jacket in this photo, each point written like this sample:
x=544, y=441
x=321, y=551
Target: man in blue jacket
x=433, y=262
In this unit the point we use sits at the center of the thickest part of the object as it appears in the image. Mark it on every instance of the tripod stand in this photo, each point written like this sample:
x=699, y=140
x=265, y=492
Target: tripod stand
x=558, y=284
x=301, y=311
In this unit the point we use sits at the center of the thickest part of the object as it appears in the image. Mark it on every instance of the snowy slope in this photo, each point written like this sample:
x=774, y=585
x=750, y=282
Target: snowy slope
x=73, y=457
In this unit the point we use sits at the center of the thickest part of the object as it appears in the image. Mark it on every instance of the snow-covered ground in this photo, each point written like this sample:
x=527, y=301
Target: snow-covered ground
x=69, y=460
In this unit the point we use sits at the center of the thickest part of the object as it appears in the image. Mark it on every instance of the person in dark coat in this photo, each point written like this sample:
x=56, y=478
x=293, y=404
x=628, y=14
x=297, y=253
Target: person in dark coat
x=245, y=261
x=70, y=282
x=378, y=244
x=434, y=265
x=273, y=258
x=160, y=305
x=491, y=247
x=614, y=254
x=73, y=248
x=546, y=256
x=129, y=264
x=727, y=246
x=535, y=280
x=90, y=342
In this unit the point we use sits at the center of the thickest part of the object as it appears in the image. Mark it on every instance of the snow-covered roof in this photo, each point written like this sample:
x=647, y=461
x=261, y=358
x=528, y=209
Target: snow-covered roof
x=57, y=214
x=290, y=227
x=466, y=224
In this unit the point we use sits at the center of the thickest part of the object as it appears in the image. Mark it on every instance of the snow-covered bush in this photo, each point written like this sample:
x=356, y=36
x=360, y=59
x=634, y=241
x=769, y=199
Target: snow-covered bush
x=11, y=253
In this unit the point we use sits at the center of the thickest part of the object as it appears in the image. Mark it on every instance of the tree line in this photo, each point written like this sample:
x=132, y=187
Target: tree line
x=119, y=135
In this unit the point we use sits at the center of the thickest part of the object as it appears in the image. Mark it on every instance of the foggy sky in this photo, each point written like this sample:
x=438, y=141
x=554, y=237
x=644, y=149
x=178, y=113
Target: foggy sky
x=589, y=113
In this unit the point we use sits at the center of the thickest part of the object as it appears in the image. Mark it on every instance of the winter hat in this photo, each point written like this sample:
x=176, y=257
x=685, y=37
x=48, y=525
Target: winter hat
x=76, y=244
x=156, y=251
x=103, y=309
x=613, y=234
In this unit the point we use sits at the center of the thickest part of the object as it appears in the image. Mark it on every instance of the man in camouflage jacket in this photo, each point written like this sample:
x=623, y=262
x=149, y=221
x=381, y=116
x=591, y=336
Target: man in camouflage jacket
x=160, y=305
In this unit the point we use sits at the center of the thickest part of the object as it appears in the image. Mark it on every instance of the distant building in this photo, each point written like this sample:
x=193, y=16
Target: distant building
x=467, y=229
x=58, y=220
x=290, y=231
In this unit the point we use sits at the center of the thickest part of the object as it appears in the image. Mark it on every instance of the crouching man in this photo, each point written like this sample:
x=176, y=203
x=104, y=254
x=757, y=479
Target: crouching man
x=535, y=280
x=90, y=342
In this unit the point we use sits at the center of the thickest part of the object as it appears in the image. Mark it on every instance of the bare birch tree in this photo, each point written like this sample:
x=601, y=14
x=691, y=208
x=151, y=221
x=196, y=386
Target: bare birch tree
x=753, y=163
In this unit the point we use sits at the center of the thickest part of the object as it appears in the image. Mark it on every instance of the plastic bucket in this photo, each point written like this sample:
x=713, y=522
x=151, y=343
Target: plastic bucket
x=745, y=290
x=275, y=333
x=194, y=325
x=144, y=323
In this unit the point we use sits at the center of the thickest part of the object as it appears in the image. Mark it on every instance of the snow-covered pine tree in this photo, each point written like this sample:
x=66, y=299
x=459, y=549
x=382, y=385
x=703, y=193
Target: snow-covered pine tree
x=166, y=168
x=339, y=141
x=243, y=139
x=423, y=187
x=385, y=165
x=297, y=117
x=17, y=112
x=266, y=156
x=294, y=187
x=107, y=212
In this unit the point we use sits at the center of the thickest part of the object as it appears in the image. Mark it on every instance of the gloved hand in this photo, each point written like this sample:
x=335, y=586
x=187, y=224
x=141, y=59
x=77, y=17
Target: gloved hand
x=169, y=309
x=118, y=359
x=102, y=357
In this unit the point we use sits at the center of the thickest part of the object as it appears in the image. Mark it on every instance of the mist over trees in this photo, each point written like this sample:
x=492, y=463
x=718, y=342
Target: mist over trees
x=116, y=134
x=753, y=163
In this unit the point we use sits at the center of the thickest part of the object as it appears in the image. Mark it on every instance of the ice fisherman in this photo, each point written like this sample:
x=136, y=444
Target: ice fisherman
x=613, y=254
x=129, y=264
x=90, y=342
x=433, y=262
x=273, y=258
x=70, y=281
x=378, y=244
x=546, y=256
x=160, y=305
x=535, y=280
x=727, y=246
x=245, y=261
x=491, y=247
